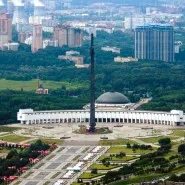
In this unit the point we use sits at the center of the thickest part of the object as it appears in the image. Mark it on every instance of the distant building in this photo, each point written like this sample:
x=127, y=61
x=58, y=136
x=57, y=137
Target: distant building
x=10, y=7
x=60, y=34
x=37, y=38
x=70, y=53
x=5, y=29
x=19, y=15
x=125, y=59
x=133, y=21
x=82, y=66
x=48, y=24
x=178, y=44
x=36, y=19
x=68, y=36
x=90, y=30
x=73, y=56
x=76, y=59
x=13, y=46
x=112, y=49
x=41, y=89
x=154, y=42
x=29, y=40
x=26, y=28
x=23, y=36
x=50, y=43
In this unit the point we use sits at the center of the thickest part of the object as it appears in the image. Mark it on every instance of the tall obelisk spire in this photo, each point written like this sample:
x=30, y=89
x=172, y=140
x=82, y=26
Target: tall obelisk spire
x=92, y=123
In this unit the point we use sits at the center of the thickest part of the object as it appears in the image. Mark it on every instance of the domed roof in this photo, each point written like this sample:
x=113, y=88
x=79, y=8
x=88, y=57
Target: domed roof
x=112, y=98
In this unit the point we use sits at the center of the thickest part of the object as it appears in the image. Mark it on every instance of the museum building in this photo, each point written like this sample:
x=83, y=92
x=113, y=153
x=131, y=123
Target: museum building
x=111, y=107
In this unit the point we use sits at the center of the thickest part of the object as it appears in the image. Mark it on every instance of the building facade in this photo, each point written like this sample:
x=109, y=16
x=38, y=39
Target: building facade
x=173, y=118
x=76, y=59
x=111, y=107
x=5, y=29
x=37, y=38
x=22, y=36
x=60, y=34
x=68, y=36
x=154, y=42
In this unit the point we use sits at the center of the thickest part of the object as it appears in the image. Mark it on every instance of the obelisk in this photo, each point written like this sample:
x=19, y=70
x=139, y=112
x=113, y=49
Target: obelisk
x=92, y=123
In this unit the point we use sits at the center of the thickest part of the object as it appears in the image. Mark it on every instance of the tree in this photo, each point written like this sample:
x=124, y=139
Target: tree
x=182, y=178
x=94, y=171
x=12, y=153
x=128, y=145
x=181, y=149
x=165, y=143
x=122, y=154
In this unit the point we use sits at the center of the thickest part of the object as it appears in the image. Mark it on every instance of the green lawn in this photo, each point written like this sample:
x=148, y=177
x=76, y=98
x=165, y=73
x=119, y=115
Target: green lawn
x=116, y=142
x=8, y=129
x=169, y=154
x=102, y=167
x=32, y=85
x=2, y=134
x=179, y=169
x=156, y=139
x=175, y=146
x=86, y=175
x=14, y=138
x=118, y=149
x=178, y=133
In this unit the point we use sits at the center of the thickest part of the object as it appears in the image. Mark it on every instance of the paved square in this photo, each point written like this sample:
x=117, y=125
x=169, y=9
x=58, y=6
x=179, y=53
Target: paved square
x=53, y=165
x=62, y=158
x=32, y=183
x=73, y=149
x=41, y=175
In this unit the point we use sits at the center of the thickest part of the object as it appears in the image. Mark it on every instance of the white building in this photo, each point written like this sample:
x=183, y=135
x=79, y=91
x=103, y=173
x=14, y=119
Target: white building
x=178, y=44
x=132, y=22
x=14, y=46
x=111, y=107
x=125, y=59
x=111, y=49
x=48, y=42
